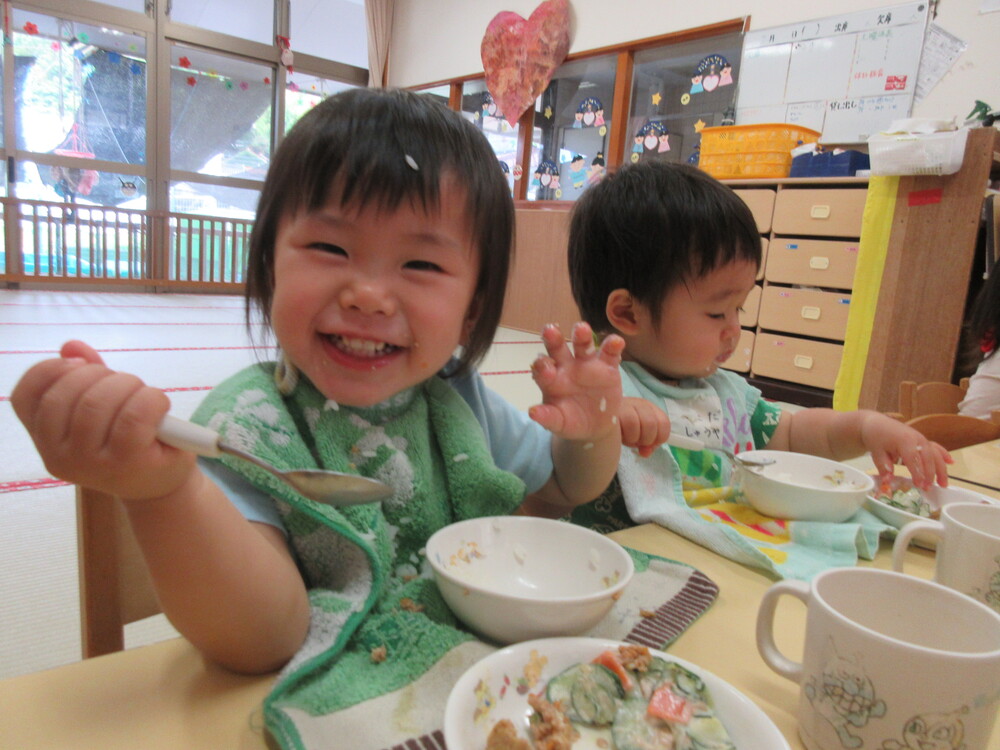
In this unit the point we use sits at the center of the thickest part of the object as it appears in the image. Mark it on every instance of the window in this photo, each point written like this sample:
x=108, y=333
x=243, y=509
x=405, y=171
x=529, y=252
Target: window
x=246, y=19
x=479, y=107
x=302, y=92
x=678, y=90
x=80, y=96
x=331, y=29
x=572, y=121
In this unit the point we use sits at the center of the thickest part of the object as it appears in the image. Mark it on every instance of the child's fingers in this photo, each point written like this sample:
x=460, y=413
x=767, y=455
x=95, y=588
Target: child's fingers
x=547, y=416
x=611, y=350
x=555, y=344
x=33, y=384
x=138, y=419
x=56, y=406
x=80, y=350
x=97, y=409
x=543, y=371
x=583, y=341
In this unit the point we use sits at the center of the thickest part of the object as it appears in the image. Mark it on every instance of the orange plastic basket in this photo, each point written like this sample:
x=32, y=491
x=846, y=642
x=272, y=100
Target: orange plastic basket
x=756, y=151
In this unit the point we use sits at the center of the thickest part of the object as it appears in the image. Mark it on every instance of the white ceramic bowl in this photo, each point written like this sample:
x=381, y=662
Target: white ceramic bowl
x=800, y=487
x=936, y=497
x=516, y=578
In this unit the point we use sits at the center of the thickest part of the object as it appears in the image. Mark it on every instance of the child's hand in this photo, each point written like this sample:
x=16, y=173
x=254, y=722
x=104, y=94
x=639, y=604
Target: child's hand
x=97, y=427
x=892, y=442
x=644, y=425
x=581, y=390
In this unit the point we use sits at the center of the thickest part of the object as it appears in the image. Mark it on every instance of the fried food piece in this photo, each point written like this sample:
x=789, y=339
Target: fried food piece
x=503, y=736
x=636, y=658
x=551, y=729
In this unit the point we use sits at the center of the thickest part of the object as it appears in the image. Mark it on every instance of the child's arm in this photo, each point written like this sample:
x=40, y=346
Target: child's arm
x=231, y=587
x=848, y=434
x=581, y=399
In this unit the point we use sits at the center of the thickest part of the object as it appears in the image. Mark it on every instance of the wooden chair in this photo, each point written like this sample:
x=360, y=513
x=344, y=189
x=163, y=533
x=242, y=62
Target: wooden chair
x=115, y=586
x=915, y=400
x=954, y=431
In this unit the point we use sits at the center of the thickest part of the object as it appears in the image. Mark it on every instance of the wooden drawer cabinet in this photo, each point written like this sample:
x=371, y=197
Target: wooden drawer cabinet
x=751, y=308
x=796, y=360
x=796, y=317
x=761, y=205
x=835, y=212
x=807, y=311
x=824, y=263
x=740, y=360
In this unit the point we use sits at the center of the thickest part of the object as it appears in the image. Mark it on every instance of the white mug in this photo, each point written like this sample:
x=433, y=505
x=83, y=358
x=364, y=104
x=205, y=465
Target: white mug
x=891, y=662
x=968, y=550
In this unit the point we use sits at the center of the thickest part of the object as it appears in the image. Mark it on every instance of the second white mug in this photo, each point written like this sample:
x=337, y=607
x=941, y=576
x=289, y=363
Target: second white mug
x=968, y=551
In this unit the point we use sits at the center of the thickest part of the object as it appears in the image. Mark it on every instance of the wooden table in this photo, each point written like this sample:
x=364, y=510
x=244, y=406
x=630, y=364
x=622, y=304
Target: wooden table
x=166, y=696
x=978, y=465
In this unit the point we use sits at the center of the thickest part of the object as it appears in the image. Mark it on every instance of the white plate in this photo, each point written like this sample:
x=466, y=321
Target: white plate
x=936, y=497
x=497, y=688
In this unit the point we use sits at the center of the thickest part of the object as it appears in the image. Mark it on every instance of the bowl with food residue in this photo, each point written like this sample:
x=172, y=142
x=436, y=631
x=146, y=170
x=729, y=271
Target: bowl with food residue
x=898, y=502
x=516, y=578
x=801, y=487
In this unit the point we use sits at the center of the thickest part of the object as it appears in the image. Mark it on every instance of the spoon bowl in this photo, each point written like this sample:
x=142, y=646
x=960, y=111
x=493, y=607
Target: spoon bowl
x=328, y=487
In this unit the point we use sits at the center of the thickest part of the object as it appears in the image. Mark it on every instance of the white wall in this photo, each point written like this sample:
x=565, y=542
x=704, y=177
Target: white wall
x=434, y=40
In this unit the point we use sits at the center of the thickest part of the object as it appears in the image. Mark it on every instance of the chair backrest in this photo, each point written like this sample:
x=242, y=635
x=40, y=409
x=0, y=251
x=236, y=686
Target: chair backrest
x=915, y=400
x=115, y=586
x=954, y=431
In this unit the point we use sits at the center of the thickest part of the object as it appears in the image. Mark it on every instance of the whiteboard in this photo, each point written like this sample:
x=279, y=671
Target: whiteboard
x=846, y=76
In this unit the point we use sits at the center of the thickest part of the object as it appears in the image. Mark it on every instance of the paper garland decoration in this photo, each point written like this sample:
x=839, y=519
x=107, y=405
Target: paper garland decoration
x=519, y=56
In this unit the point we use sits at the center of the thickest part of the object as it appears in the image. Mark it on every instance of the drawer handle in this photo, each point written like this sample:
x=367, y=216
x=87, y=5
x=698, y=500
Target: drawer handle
x=810, y=313
x=802, y=361
x=819, y=262
x=820, y=212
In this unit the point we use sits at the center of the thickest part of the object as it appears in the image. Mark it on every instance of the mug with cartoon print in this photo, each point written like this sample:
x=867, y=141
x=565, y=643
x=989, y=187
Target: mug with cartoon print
x=968, y=550
x=891, y=662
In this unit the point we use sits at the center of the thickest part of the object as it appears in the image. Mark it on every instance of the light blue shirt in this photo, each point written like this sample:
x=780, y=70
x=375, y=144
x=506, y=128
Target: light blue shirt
x=517, y=444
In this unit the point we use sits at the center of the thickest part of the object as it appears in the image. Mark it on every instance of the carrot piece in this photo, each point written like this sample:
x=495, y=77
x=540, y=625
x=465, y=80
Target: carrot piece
x=667, y=705
x=610, y=660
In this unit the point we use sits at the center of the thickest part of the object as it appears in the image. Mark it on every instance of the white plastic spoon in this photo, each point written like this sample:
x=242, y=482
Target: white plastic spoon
x=329, y=487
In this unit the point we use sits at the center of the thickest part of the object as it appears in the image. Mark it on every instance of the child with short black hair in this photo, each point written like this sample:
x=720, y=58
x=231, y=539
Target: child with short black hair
x=382, y=245
x=664, y=256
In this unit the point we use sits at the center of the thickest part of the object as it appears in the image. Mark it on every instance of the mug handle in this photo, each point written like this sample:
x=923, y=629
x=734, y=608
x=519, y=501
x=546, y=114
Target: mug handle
x=906, y=534
x=765, y=627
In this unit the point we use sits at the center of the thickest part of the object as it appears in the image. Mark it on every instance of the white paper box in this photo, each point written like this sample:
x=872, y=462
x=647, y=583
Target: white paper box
x=913, y=154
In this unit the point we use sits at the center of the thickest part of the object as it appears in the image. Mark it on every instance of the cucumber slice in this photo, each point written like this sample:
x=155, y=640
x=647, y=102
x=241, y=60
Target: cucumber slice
x=707, y=733
x=632, y=731
x=588, y=692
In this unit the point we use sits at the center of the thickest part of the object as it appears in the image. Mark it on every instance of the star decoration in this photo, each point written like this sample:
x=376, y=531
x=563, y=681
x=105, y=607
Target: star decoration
x=699, y=125
x=184, y=62
x=657, y=98
x=548, y=113
x=191, y=81
x=30, y=28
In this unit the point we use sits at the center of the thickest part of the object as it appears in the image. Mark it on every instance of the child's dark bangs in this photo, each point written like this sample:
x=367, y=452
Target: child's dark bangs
x=385, y=181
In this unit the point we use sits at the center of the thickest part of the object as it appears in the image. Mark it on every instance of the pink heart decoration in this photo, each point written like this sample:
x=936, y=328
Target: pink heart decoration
x=710, y=82
x=520, y=56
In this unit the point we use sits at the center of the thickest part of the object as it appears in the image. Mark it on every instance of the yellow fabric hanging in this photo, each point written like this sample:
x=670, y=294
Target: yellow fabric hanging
x=876, y=226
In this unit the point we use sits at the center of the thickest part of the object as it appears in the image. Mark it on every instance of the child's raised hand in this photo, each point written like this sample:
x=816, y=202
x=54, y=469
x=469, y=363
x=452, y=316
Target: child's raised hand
x=644, y=425
x=581, y=389
x=97, y=427
x=892, y=442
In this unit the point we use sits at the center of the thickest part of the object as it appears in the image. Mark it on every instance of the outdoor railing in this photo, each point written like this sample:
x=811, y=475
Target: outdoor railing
x=60, y=243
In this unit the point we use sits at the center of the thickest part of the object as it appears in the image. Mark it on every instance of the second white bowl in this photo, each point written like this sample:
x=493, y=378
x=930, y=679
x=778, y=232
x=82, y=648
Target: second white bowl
x=800, y=487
